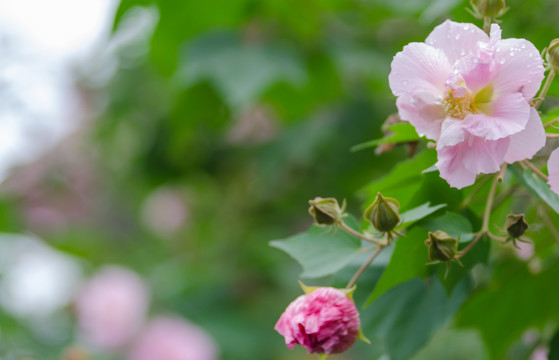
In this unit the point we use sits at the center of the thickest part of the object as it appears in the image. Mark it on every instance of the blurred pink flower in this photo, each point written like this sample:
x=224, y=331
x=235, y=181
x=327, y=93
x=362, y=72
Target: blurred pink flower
x=539, y=354
x=171, y=338
x=471, y=93
x=111, y=307
x=553, y=169
x=323, y=321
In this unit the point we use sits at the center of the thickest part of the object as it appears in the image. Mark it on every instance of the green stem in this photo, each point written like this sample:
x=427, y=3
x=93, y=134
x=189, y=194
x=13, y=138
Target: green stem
x=535, y=170
x=545, y=88
x=349, y=230
x=490, y=198
x=551, y=122
x=487, y=24
x=363, y=267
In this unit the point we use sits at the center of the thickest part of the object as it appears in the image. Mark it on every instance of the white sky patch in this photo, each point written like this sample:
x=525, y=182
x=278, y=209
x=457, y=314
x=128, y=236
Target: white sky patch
x=36, y=279
x=39, y=43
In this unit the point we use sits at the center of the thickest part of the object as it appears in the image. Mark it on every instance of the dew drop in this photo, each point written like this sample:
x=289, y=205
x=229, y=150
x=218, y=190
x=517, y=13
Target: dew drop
x=457, y=37
x=462, y=52
x=405, y=82
x=466, y=27
x=511, y=53
x=476, y=60
x=498, y=49
x=530, y=55
x=502, y=61
x=523, y=46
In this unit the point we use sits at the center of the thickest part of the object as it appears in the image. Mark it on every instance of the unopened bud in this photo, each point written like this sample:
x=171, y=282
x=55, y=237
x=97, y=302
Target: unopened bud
x=516, y=225
x=383, y=213
x=441, y=246
x=552, y=54
x=489, y=8
x=326, y=211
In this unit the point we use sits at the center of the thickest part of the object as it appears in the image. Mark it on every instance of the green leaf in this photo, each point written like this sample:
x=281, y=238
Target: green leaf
x=537, y=186
x=408, y=261
x=403, y=182
x=453, y=224
x=418, y=213
x=408, y=314
x=399, y=133
x=518, y=300
x=554, y=347
x=321, y=251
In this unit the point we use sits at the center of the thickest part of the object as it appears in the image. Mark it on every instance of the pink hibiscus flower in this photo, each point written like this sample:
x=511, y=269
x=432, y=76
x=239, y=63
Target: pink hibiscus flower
x=471, y=93
x=553, y=169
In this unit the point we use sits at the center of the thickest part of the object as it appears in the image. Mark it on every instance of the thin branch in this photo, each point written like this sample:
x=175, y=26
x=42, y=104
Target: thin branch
x=535, y=169
x=470, y=245
x=344, y=226
x=551, y=122
x=363, y=267
x=543, y=92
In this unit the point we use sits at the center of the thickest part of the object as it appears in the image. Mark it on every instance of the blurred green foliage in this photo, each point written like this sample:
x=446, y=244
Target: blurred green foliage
x=243, y=110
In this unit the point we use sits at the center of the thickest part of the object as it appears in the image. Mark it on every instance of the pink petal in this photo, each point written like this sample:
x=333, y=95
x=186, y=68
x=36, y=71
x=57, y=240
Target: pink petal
x=475, y=72
x=456, y=39
x=484, y=156
x=519, y=68
x=418, y=67
x=452, y=133
x=452, y=169
x=553, y=169
x=510, y=113
x=528, y=142
x=426, y=118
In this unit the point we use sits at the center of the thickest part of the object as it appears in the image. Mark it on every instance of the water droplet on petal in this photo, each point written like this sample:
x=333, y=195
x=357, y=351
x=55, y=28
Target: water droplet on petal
x=457, y=37
x=523, y=46
x=405, y=82
x=476, y=60
x=502, y=61
x=462, y=52
x=466, y=26
x=498, y=49
x=530, y=54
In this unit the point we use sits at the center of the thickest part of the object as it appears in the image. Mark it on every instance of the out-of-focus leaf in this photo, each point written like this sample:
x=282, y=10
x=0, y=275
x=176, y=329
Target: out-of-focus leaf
x=408, y=314
x=537, y=186
x=401, y=132
x=454, y=344
x=408, y=261
x=126, y=5
x=554, y=347
x=418, y=213
x=321, y=251
x=240, y=72
x=514, y=301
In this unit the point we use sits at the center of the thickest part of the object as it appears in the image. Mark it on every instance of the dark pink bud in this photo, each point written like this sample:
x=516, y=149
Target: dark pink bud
x=324, y=321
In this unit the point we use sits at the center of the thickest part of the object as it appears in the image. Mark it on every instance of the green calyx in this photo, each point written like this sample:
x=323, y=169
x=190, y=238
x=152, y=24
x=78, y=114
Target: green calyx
x=326, y=211
x=383, y=213
x=489, y=8
x=552, y=55
x=442, y=247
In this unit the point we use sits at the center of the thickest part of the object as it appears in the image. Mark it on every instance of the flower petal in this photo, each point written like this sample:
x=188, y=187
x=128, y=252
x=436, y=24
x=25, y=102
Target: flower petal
x=452, y=169
x=452, y=133
x=418, y=67
x=475, y=72
x=484, y=156
x=427, y=118
x=553, y=169
x=526, y=143
x=456, y=39
x=510, y=113
x=519, y=68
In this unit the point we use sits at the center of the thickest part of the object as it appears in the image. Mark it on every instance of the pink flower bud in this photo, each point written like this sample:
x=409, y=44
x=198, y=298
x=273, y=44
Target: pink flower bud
x=172, y=338
x=111, y=307
x=323, y=321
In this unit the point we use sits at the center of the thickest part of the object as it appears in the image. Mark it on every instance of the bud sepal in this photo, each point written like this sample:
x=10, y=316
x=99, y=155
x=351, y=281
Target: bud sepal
x=383, y=213
x=516, y=226
x=326, y=211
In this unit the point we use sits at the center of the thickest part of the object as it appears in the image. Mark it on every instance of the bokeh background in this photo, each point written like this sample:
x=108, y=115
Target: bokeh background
x=177, y=138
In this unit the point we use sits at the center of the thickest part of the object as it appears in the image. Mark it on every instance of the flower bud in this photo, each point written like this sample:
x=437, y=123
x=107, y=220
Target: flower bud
x=552, y=54
x=442, y=247
x=325, y=321
x=516, y=225
x=383, y=213
x=326, y=211
x=489, y=8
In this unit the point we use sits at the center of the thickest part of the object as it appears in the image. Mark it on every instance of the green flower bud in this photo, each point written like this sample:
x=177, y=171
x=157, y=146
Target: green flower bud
x=489, y=8
x=552, y=54
x=441, y=246
x=516, y=225
x=383, y=213
x=326, y=211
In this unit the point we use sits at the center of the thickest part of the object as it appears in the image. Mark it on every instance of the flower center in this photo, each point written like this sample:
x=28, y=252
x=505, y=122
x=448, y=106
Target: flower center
x=458, y=107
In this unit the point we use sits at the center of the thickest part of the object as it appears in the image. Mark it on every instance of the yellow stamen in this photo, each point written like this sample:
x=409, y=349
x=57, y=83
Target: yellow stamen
x=458, y=107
